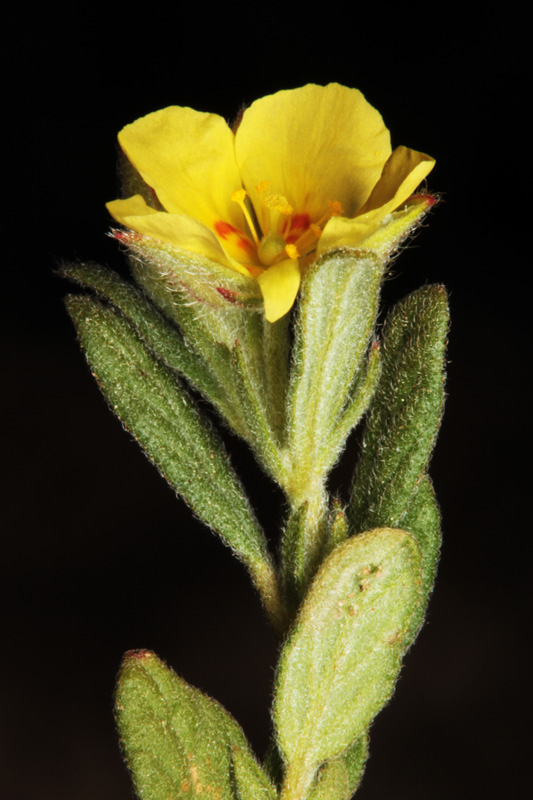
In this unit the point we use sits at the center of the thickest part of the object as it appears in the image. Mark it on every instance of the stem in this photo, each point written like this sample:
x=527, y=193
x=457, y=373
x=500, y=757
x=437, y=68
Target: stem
x=304, y=543
x=267, y=584
x=298, y=780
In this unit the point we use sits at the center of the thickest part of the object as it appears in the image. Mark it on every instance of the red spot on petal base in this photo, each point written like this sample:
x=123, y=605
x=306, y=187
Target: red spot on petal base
x=299, y=224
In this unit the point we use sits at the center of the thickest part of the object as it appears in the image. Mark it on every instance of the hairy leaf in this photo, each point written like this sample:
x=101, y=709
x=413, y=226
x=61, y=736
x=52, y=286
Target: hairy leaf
x=157, y=410
x=178, y=742
x=405, y=412
x=341, y=661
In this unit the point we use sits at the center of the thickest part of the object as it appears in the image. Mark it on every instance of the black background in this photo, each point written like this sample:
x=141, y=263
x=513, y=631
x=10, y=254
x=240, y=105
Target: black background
x=98, y=555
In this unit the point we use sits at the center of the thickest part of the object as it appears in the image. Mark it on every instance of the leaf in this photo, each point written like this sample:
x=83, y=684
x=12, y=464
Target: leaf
x=339, y=778
x=405, y=412
x=178, y=742
x=336, y=314
x=160, y=335
x=251, y=781
x=339, y=665
x=156, y=409
x=422, y=520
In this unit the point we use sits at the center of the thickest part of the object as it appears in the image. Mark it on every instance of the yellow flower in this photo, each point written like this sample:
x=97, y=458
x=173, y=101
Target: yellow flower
x=306, y=170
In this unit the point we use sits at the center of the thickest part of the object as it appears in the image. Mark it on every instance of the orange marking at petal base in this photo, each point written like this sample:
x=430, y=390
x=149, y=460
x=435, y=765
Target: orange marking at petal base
x=253, y=270
x=224, y=229
x=227, y=231
x=299, y=224
x=245, y=244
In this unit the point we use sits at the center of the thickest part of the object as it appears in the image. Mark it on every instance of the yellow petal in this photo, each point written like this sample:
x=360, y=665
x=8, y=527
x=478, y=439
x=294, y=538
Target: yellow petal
x=313, y=145
x=179, y=230
x=403, y=172
x=188, y=158
x=279, y=285
x=379, y=235
x=135, y=206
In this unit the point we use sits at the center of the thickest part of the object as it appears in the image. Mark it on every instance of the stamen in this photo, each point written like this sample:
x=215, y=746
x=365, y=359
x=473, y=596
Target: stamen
x=335, y=208
x=260, y=189
x=292, y=251
x=239, y=196
x=307, y=241
x=277, y=202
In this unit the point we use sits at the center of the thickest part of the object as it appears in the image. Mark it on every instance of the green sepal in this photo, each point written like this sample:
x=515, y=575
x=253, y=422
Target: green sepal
x=339, y=778
x=405, y=412
x=158, y=333
x=390, y=234
x=179, y=743
x=156, y=409
x=184, y=273
x=335, y=318
x=340, y=663
x=247, y=355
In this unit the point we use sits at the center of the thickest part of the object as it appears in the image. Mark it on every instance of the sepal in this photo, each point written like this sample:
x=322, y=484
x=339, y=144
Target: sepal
x=199, y=279
x=335, y=319
x=399, y=225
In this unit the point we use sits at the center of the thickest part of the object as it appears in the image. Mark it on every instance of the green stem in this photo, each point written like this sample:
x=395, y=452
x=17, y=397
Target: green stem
x=304, y=542
x=298, y=781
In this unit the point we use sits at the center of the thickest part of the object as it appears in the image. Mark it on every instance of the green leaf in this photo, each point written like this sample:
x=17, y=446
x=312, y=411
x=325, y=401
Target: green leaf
x=157, y=410
x=405, y=411
x=250, y=780
x=339, y=778
x=422, y=520
x=160, y=335
x=178, y=742
x=336, y=314
x=341, y=661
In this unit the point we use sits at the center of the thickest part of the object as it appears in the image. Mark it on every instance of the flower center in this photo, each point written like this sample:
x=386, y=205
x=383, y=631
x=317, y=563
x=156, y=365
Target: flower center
x=277, y=231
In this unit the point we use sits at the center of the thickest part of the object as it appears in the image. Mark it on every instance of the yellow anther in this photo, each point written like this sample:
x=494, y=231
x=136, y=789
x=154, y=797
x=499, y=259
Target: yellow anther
x=279, y=203
x=239, y=196
x=261, y=187
x=292, y=251
x=335, y=208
